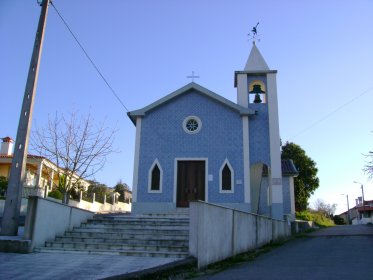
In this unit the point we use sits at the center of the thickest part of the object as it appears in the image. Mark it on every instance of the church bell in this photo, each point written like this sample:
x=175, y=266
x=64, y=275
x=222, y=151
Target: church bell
x=257, y=89
x=257, y=98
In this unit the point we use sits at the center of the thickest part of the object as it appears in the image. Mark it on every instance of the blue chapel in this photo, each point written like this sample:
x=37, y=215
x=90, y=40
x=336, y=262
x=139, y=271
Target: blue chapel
x=194, y=144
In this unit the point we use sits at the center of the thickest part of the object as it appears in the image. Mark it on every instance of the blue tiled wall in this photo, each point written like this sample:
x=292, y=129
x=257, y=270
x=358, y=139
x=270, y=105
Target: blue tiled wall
x=163, y=137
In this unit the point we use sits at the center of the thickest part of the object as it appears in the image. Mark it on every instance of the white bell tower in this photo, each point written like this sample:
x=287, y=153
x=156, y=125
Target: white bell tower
x=257, y=89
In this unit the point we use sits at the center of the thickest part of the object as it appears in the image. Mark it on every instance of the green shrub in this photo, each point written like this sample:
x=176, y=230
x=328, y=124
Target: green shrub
x=3, y=185
x=338, y=220
x=56, y=194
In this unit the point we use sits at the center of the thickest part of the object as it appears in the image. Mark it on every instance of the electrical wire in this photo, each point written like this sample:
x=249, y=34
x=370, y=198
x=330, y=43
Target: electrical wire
x=89, y=58
x=333, y=112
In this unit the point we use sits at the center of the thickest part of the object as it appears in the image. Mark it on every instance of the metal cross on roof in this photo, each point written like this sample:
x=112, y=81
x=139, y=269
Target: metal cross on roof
x=193, y=76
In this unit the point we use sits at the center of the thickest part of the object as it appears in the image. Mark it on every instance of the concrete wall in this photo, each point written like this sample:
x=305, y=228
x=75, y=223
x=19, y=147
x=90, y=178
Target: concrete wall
x=299, y=226
x=362, y=221
x=218, y=232
x=23, y=207
x=45, y=219
x=97, y=206
x=100, y=207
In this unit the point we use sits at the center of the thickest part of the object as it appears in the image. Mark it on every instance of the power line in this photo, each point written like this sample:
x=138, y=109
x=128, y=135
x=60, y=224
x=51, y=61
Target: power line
x=89, y=58
x=333, y=112
x=161, y=137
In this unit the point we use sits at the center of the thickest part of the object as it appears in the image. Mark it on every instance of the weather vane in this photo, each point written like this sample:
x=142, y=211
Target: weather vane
x=253, y=35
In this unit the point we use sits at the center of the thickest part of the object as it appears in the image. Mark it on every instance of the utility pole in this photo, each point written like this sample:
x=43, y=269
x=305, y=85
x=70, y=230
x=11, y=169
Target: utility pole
x=362, y=191
x=348, y=210
x=13, y=200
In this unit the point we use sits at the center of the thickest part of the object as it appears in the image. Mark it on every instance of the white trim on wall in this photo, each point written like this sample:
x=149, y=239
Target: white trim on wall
x=274, y=137
x=136, y=160
x=226, y=162
x=246, y=158
x=156, y=162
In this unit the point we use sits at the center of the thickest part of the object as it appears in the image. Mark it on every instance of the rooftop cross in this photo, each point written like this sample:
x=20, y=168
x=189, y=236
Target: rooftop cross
x=193, y=76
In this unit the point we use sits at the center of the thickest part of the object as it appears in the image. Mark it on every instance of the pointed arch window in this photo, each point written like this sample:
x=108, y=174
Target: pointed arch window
x=155, y=178
x=226, y=178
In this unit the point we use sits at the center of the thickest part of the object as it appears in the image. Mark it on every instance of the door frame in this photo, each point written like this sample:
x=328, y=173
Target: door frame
x=191, y=159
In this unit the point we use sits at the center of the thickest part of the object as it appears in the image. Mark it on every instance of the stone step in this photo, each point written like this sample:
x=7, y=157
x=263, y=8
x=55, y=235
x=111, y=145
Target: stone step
x=134, y=227
x=141, y=219
x=162, y=235
x=137, y=223
x=133, y=230
x=133, y=241
x=117, y=252
x=135, y=235
x=114, y=247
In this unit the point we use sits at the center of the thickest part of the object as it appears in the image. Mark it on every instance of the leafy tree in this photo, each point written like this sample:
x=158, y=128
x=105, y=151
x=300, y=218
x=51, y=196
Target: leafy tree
x=120, y=188
x=76, y=145
x=3, y=185
x=100, y=190
x=307, y=181
x=338, y=220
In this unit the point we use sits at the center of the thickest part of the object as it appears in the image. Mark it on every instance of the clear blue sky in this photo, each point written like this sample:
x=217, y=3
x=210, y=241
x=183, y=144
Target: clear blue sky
x=323, y=51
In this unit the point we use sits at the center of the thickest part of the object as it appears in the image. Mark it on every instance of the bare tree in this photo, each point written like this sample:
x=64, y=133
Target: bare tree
x=76, y=146
x=325, y=208
x=368, y=168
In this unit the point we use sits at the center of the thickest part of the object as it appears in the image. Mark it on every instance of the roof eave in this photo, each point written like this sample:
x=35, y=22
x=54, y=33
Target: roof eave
x=253, y=73
x=133, y=115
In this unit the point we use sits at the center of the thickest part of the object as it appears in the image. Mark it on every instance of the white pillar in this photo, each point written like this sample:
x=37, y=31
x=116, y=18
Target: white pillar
x=51, y=180
x=275, y=152
x=137, y=160
x=39, y=174
x=246, y=158
x=242, y=90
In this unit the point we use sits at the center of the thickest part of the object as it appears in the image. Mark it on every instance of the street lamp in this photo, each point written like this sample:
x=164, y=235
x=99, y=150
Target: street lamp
x=362, y=190
x=348, y=209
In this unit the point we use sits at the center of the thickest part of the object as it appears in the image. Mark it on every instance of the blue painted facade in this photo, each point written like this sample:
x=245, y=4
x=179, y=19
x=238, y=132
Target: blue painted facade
x=163, y=138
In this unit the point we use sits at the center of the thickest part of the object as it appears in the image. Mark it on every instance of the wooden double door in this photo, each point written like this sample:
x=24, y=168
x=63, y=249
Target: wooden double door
x=190, y=182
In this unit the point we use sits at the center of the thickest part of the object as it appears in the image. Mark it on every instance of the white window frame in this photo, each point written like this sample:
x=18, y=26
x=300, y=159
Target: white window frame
x=226, y=162
x=198, y=121
x=156, y=162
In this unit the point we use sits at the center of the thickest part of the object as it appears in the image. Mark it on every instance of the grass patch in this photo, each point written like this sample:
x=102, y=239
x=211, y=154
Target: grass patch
x=318, y=217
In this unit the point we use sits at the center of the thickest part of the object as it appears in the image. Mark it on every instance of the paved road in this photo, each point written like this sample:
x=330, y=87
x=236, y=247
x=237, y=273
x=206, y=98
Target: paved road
x=342, y=252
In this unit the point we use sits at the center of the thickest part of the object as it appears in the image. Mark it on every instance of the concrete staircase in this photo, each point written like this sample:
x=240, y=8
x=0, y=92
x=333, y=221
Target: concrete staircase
x=156, y=235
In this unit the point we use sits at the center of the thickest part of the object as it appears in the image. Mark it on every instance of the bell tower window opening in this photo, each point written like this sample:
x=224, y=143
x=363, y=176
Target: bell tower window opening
x=257, y=92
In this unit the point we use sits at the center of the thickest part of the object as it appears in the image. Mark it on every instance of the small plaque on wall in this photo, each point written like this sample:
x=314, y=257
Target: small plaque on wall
x=276, y=181
x=239, y=182
x=211, y=178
